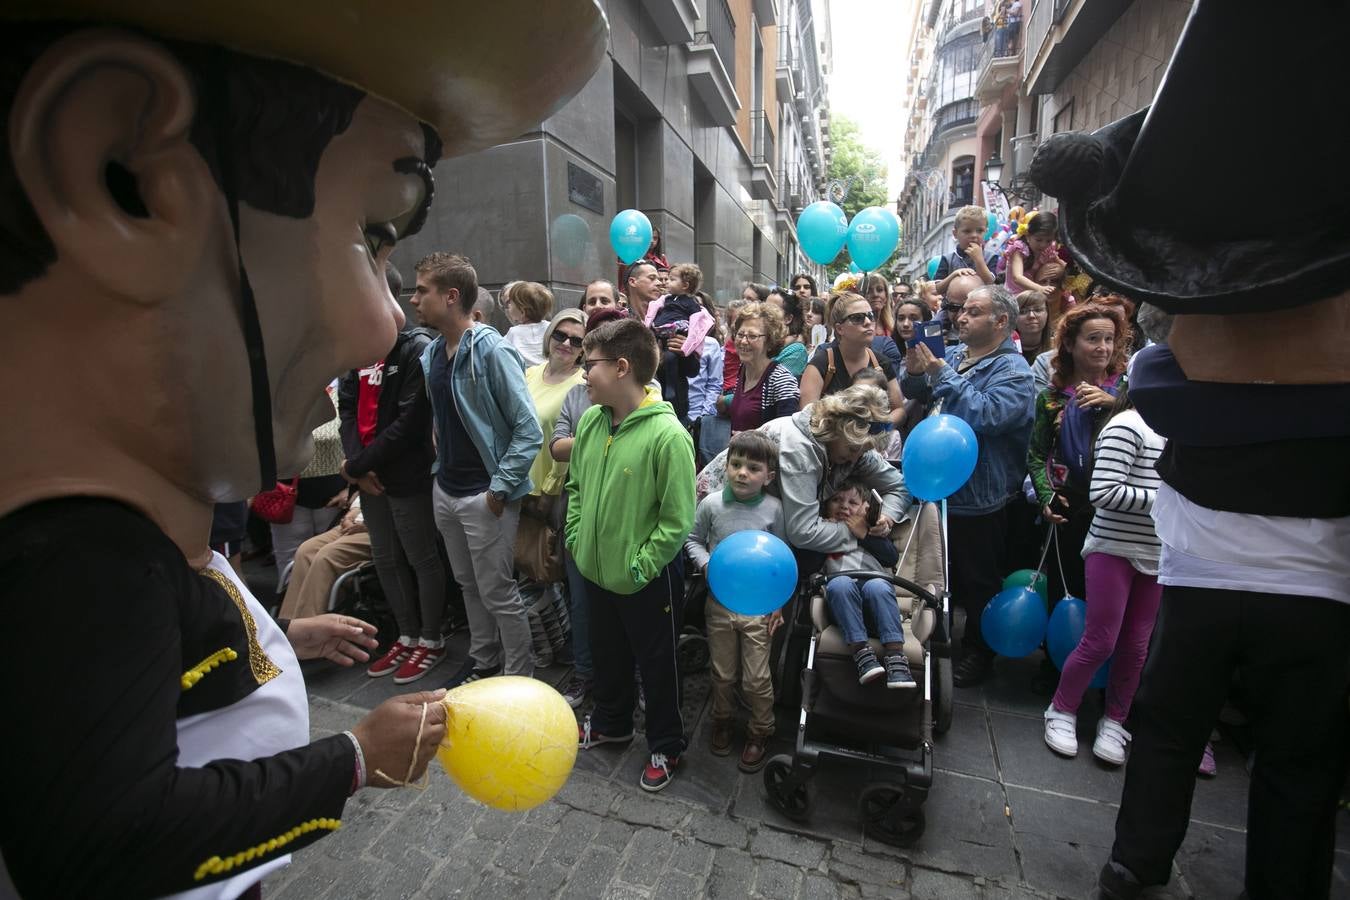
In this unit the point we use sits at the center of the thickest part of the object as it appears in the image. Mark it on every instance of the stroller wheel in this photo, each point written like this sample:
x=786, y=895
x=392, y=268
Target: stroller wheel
x=888, y=816
x=942, y=694
x=793, y=797
x=692, y=654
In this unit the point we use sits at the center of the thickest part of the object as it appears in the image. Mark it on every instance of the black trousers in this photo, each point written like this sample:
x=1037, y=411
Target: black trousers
x=1292, y=653
x=978, y=565
x=641, y=628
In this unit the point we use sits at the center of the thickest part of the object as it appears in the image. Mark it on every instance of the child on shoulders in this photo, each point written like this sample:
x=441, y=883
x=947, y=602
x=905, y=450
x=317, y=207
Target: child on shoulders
x=1032, y=248
x=738, y=641
x=680, y=314
x=853, y=601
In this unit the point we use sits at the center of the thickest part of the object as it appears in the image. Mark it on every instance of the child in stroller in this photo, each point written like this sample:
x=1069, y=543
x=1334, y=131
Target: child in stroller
x=852, y=599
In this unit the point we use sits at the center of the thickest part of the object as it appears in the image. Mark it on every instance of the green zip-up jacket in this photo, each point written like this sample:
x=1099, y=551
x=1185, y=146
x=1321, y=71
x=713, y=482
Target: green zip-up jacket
x=630, y=495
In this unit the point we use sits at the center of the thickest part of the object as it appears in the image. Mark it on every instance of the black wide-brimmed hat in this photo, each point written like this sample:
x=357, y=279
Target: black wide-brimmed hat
x=1226, y=196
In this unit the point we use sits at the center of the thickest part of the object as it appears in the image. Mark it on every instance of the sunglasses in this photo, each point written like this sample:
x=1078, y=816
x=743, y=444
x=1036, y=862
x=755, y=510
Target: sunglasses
x=566, y=339
x=860, y=318
x=875, y=427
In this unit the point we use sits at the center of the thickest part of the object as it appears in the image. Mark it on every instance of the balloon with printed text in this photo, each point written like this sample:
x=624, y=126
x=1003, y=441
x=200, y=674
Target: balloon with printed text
x=630, y=234
x=821, y=230
x=873, y=236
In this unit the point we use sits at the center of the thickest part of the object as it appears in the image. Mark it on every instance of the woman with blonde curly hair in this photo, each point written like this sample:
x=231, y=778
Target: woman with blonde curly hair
x=765, y=389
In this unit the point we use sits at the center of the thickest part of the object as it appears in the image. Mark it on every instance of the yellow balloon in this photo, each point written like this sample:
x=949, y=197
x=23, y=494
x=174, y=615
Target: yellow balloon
x=510, y=742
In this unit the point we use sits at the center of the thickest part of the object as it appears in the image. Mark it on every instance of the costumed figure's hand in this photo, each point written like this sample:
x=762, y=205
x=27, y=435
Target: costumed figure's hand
x=332, y=637
x=389, y=737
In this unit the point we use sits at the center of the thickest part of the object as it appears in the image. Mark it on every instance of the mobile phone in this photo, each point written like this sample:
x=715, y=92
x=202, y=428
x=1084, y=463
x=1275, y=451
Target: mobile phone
x=929, y=333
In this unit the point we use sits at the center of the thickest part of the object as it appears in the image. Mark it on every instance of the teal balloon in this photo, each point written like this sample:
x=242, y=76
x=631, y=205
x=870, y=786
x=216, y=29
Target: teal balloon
x=939, y=457
x=821, y=230
x=933, y=264
x=993, y=226
x=1013, y=623
x=873, y=236
x=630, y=234
x=1029, y=578
x=853, y=267
x=1063, y=633
x=571, y=237
x=752, y=573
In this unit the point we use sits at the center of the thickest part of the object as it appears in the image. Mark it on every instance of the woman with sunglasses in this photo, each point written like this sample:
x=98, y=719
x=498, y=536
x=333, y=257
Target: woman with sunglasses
x=835, y=364
x=548, y=384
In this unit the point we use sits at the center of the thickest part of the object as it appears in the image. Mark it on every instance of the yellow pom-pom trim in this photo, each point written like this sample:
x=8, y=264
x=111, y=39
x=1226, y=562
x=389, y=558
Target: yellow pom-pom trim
x=217, y=866
x=198, y=672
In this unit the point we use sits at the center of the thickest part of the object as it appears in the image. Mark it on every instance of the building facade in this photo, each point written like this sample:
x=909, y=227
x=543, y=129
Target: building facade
x=1041, y=67
x=710, y=116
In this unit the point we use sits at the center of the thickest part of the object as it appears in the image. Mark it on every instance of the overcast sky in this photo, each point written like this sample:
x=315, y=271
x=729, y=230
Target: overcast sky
x=867, y=84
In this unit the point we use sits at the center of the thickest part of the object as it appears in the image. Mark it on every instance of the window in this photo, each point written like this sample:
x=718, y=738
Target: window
x=1064, y=118
x=963, y=181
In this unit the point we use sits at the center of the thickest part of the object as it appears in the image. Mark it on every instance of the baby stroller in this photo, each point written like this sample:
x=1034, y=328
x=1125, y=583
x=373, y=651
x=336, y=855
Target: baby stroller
x=898, y=725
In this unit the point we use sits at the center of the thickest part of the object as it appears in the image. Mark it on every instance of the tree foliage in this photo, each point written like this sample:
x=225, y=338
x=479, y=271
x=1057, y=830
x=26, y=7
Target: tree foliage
x=856, y=169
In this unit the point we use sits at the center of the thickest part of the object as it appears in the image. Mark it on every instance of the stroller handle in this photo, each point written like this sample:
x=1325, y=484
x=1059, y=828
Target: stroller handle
x=929, y=598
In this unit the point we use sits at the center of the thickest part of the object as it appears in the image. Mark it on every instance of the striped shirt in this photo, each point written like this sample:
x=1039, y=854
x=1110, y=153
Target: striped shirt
x=1124, y=485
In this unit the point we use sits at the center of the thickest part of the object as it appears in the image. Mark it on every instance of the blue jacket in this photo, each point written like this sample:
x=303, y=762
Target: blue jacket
x=996, y=398
x=488, y=380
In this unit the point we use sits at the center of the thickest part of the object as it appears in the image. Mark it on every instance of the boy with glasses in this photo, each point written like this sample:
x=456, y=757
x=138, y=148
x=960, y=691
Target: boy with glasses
x=630, y=492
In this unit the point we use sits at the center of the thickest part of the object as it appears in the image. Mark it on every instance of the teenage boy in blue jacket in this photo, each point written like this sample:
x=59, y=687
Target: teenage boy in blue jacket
x=487, y=436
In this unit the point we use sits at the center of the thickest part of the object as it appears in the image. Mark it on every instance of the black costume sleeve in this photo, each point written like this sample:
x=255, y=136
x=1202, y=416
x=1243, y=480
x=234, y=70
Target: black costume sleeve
x=96, y=805
x=412, y=424
x=348, y=386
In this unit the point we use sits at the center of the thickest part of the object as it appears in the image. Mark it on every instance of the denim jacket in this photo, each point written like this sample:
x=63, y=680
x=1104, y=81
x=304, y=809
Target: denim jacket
x=996, y=397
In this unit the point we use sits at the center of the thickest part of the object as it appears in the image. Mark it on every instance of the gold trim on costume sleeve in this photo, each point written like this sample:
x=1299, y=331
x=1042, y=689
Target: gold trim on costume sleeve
x=264, y=670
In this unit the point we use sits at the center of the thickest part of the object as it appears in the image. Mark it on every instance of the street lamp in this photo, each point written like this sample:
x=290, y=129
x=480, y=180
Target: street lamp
x=993, y=168
x=1017, y=189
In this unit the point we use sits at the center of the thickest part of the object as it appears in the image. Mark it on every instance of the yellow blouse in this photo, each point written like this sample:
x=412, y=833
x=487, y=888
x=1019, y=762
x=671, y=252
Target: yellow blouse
x=547, y=473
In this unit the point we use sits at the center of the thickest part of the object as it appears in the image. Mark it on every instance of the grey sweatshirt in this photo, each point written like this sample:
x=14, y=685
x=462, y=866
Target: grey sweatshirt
x=721, y=515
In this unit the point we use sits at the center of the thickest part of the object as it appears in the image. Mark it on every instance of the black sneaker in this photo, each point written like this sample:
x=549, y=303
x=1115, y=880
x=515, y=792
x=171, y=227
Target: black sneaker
x=897, y=673
x=869, y=670
x=577, y=692
x=974, y=667
x=468, y=673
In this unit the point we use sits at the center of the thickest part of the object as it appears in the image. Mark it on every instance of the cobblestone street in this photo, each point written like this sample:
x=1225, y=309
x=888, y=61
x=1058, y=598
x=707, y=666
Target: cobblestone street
x=1005, y=819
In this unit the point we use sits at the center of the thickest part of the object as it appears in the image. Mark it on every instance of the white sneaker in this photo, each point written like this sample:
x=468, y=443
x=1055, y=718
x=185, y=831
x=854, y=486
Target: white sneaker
x=1061, y=732
x=1111, y=740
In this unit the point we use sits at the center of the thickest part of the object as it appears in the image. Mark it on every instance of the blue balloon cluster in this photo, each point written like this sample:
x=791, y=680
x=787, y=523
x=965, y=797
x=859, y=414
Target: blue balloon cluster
x=752, y=573
x=1065, y=630
x=1013, y=624
x=630, y=234
x=939, y=457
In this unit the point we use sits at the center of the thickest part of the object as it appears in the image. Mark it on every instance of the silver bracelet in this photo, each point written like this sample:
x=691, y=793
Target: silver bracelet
x=360, y=761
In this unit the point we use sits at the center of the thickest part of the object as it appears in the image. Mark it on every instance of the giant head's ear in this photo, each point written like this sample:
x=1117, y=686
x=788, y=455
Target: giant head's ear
x=99, y=134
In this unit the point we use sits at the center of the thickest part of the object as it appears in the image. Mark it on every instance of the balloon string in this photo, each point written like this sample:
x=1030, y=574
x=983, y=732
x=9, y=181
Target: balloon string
x=1064, y=582
x=412, y=764
x=1045, y=549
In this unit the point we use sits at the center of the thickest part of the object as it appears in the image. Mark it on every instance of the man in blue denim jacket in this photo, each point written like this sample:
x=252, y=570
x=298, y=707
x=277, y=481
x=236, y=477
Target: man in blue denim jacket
x=487, y=436
x=987, y=383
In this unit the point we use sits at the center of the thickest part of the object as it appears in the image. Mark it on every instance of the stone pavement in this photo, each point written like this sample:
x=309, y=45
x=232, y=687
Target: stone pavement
x=1006, y=818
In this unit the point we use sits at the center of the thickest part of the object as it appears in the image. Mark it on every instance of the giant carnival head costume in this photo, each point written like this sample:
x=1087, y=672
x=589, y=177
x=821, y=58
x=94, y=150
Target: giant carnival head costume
x=196, y=205
x=1159, y=204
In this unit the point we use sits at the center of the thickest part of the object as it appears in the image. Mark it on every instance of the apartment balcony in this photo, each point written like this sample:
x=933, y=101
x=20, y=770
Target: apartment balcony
x=711, y=64
x=962, y=12
x=789, y=70
x=674, y=19
x=1001, y=61
x=1055, y=42
x=763, y=181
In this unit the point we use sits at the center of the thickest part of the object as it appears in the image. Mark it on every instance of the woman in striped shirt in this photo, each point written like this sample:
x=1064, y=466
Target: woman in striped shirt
x=1121, y=561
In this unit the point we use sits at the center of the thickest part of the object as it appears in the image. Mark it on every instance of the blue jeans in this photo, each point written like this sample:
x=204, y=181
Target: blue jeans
x=581, y=618
x=850, y=599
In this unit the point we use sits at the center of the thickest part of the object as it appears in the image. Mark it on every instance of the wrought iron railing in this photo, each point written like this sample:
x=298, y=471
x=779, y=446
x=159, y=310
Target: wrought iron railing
x=789, y=53
x=721, y=33
x=761, y=139
x=1003, y=42
x=961, y=12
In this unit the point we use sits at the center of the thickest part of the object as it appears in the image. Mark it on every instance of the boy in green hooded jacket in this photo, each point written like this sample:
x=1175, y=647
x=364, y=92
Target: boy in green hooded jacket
x=630, y=508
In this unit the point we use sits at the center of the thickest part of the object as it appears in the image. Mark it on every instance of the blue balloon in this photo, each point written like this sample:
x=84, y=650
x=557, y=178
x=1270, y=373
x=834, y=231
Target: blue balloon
x=821, y=230
x=873, y=236
x=1013, y=624
x=570, y=238
x=933, y=264
x=993, y=226
x=752, y=573
x=1065, y=630
x=938, y=457
x=630, y=234
x=853, y=267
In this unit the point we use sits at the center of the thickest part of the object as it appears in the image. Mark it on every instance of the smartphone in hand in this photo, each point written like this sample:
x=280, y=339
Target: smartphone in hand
x=929, y=333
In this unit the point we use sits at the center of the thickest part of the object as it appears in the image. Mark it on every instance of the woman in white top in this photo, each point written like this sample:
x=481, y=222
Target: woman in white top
x=528, y=306
x=1121, y=563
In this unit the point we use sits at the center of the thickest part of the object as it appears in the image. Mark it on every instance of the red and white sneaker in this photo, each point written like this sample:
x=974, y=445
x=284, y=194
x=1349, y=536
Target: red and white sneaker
x=422, y=660
x=660, y=769
x=392, y=659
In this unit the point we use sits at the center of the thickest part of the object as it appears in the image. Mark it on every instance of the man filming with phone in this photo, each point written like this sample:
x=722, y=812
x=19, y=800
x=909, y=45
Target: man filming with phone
x=985, y=382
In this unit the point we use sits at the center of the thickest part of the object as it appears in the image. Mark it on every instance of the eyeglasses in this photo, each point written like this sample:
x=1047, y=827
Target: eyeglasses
x=563, y=338
x=952, y=307
x=589, y=364
x=748, y=336
x=875, y=427
x=860, y=318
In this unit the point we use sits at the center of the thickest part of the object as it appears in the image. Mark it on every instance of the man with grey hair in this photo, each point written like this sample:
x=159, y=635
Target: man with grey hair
x=985, y=382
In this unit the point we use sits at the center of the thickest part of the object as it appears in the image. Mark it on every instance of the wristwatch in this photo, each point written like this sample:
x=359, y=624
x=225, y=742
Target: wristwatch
x=499, y=496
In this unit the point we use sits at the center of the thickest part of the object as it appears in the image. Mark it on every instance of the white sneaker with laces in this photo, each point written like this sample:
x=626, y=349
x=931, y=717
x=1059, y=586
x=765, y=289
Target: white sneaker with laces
x=1111, y=740
x=1061, y=732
